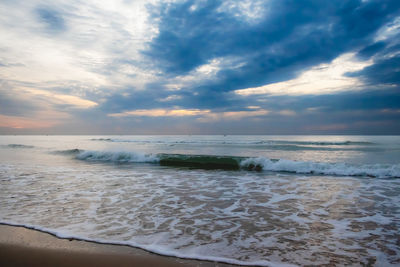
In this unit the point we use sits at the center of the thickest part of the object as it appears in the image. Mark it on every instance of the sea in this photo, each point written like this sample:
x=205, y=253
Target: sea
x=239, y=199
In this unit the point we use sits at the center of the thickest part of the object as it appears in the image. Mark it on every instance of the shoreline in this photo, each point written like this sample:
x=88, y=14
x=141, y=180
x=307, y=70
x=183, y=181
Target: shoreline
x=22, y=246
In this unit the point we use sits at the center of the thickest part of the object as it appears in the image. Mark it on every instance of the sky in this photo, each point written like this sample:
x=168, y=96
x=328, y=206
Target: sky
x=200, y=67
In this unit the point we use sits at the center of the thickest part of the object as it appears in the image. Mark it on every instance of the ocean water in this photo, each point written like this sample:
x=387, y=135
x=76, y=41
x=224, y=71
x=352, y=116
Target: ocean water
x=250, y=200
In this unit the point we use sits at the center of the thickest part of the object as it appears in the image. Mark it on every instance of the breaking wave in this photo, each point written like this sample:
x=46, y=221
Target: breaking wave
x=240, y=163
x=118, y=157
x=18, y=146
x=339, y=169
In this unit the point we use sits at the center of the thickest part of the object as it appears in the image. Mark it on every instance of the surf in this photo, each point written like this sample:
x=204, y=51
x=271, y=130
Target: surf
x=221, y=162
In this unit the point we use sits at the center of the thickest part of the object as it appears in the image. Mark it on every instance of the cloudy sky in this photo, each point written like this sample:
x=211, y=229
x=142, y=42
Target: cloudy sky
x=200, y=67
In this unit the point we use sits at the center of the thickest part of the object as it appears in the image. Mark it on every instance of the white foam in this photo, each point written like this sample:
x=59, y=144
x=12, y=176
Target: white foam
x=372, y=170
x=117, y=156
x=161, y=250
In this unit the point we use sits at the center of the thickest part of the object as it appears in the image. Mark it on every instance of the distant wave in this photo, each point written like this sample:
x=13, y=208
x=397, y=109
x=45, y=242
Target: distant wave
x=18, y=146
x=236, y=142
x=68, y=151
x=102, y=139
x=342, y=143
x=282, y=145
x=240, y=163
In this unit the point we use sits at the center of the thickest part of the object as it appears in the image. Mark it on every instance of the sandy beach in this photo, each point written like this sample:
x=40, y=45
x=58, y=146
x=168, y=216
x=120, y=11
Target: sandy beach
x=20, y=246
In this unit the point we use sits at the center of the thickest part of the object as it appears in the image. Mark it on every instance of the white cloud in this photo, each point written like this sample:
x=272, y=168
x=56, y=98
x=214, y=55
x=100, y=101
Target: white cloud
x=61, y=99
x=389, y=30
x=170, y=98
x=93, y=48
x=205, y=72
x=59, y=72
x=248, y=10
x=322, y=79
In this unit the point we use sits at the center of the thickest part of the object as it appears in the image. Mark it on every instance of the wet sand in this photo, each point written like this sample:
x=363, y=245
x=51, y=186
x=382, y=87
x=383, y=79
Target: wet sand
x=25, y=247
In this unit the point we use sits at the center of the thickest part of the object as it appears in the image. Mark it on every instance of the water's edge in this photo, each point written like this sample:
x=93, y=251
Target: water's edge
x=148, y=248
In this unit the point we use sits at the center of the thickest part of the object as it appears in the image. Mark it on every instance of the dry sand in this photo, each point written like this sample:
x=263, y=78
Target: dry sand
x=25, y=247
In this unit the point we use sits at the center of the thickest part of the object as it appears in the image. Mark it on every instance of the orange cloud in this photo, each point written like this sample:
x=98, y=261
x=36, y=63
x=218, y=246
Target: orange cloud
x=161, y=113
x=74, y=101
x=204, y=115
x=24, y=123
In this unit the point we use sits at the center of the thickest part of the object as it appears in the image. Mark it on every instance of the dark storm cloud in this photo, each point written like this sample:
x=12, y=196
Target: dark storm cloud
x=386, y=56
x=377, y=99
x=386, y=67
x=364, y=112
x=291, y=36
x=156, y=96
x=370, y=50
x=384, y=71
